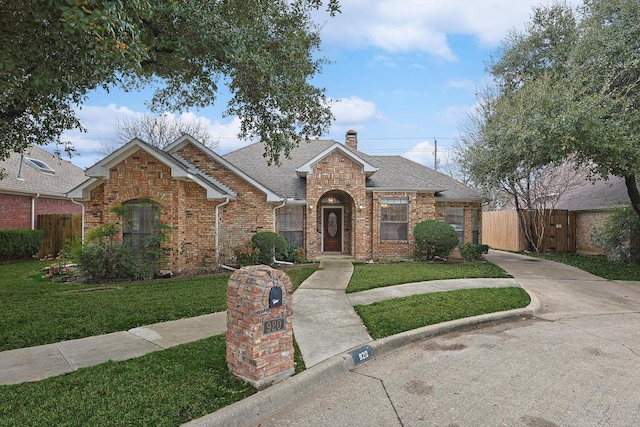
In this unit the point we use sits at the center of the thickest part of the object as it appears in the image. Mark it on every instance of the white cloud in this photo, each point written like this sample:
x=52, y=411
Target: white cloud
x=100, y=124
x=467, y=85
x=403, y=25
x=353, y=113
x=421, y=153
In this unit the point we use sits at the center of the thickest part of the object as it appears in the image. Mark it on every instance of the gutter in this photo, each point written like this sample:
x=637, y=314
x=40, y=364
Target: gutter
x=33, y=211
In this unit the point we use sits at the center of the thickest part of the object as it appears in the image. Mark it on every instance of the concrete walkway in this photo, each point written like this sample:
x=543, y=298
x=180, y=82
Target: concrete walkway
x=324, y=321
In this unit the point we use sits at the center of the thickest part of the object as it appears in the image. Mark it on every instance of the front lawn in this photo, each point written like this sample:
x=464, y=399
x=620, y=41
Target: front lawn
x=369, y=276
x=165, y=388
x=36, y=311
x=391, y=317
x=598, y=265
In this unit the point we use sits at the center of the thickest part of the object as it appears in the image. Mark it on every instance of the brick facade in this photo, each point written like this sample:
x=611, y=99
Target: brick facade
x=335, y=180
x=586, y=221
x=15, y=210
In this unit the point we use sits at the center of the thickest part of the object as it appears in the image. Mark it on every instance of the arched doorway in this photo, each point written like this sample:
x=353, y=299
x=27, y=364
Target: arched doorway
x=336, y=209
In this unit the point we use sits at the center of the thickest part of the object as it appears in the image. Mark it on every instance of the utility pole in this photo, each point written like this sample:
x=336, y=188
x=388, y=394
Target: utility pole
x=435, y=154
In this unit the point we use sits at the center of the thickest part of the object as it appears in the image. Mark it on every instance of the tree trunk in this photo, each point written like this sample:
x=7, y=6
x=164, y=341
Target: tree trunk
x=634, y=194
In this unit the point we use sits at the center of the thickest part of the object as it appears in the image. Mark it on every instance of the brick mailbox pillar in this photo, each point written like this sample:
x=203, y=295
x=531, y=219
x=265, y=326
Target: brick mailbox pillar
x=259, y=326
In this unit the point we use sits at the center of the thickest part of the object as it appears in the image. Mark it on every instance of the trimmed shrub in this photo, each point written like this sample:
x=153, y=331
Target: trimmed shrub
x=270, y=245
x=433, y=239
x=18, y=244
x=472, y=251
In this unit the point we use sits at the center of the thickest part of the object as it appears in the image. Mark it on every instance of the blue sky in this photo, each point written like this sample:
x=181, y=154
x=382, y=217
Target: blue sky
x=404, y=73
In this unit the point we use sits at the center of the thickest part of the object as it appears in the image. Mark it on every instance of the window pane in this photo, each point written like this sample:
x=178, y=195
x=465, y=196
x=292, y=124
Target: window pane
x=141, y=218
x=292, y=224
x=394, y=218
x=455, y=217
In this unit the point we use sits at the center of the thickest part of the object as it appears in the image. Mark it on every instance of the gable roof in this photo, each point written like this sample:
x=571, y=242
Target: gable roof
x=27, y=177
x=384, y=173
x=185, y=139
x=180, y=169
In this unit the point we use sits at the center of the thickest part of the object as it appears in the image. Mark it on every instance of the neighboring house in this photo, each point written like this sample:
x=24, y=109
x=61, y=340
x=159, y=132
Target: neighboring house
x=327, y=198
x=591, y=202
x=35, y=183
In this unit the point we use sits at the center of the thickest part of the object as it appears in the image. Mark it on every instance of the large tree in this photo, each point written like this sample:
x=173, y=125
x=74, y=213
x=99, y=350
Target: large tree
x=566, y=89
x=52, y=53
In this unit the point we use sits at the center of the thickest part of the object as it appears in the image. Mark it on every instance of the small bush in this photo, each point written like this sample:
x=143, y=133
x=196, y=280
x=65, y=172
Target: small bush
x=433, y=239
x=620, y=236
x=472, y=251
x=246, y=255
x=270, y=245
x=17, y=244
x=296, y=255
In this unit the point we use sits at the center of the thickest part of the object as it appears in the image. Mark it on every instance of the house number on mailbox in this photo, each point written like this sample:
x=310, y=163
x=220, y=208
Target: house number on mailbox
x=273, y=325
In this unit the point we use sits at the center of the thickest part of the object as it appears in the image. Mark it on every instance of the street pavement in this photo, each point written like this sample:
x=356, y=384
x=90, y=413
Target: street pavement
x=575, y=363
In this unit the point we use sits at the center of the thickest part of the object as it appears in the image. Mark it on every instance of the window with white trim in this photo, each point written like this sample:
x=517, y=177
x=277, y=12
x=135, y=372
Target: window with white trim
x=394, y=218
x=292, y=224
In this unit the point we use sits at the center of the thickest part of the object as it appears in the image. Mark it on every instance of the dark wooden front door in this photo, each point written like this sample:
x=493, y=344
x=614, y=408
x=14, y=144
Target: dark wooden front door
x=332, y=230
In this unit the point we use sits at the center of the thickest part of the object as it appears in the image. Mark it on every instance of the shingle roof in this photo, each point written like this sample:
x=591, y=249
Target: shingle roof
x=394, y=172
x=596, y=195
x=33, y=180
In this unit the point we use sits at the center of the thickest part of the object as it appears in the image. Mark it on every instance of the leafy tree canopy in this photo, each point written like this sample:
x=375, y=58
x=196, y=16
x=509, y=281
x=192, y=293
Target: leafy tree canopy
x=567, y=88
x=53, y=52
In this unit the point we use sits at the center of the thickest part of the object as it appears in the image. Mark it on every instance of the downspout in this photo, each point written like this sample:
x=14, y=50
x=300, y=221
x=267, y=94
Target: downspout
x=33, y=211
x=218, y=228
x=284, y=202
x=82, y=206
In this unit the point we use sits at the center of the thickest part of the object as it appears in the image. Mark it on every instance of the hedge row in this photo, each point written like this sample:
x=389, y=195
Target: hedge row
x=17, y=244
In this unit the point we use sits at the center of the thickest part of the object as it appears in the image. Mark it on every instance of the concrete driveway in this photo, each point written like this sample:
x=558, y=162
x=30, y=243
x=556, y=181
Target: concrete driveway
x=575, y=364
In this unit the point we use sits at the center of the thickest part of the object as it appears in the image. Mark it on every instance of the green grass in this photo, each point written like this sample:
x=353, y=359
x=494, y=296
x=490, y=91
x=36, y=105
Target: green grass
x=165, y=388
x=369, y=276
x=391, y=317
x=36, y=311
x=598, y=265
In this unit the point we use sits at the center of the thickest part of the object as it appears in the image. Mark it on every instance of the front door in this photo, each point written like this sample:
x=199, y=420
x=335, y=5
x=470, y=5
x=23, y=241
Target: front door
x=332, y=229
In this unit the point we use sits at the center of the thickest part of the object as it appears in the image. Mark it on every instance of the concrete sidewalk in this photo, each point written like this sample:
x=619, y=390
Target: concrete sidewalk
x=40, y=362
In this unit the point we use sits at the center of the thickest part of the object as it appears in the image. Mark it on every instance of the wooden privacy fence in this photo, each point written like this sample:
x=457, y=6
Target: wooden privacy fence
x=501, y=230
x=58, y=229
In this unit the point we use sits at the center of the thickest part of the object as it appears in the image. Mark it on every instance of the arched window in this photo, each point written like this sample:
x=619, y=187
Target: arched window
x=140, y=220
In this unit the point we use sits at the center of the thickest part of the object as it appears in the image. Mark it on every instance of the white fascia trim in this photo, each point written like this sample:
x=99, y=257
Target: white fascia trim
x=367, y=168
x=185, y=139
x=83, y=190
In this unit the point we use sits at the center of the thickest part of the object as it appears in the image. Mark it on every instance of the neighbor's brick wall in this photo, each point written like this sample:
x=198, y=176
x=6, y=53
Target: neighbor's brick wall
x=585, y=223
x=339, y=173
x=15, y=210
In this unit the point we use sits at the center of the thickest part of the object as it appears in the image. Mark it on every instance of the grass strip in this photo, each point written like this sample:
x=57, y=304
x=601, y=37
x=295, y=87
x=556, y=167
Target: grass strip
x=35, y=310
x=165, y=388
x=598, y=265
x=391, y=317
x=370, y=276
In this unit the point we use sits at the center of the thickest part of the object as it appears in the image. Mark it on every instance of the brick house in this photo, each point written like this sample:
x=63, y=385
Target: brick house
x=591, y=202
x=327, y=198
x=35, y=183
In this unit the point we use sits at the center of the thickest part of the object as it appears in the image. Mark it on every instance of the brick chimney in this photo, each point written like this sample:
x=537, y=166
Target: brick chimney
x=351, y=139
